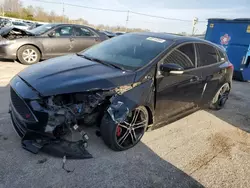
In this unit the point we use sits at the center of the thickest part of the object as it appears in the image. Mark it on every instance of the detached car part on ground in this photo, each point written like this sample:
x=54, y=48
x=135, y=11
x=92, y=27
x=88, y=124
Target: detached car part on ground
x=148, y=81
x=46, y=41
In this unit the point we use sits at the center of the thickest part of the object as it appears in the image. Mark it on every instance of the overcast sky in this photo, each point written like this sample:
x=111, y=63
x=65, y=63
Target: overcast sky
x=181, y=9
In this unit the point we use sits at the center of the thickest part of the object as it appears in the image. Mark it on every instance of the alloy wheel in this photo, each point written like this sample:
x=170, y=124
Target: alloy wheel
x=222, y=95
x=131, y=131
x=30, y=56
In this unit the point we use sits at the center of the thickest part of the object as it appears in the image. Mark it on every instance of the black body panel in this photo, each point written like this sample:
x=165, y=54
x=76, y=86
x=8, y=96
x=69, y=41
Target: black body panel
x=72, y=73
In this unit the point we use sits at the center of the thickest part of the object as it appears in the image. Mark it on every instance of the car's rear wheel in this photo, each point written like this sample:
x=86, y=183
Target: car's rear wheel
x=28, y=55
x=122, y=136
x=220, y=97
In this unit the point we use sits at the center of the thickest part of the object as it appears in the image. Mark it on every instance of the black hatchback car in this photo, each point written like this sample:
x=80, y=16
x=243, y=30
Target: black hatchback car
x=46, y=41
x=124, y=86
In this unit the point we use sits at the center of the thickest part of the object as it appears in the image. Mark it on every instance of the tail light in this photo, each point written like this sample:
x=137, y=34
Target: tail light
x=230, y=66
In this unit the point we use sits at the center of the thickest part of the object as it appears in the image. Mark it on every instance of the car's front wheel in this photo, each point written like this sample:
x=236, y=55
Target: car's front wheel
x=220, y=97
x=122, y=136
x=28, y=55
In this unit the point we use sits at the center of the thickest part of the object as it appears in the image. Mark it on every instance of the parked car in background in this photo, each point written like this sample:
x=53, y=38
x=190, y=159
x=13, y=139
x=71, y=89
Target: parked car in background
x=120, y=33
x=20, y=25
x=109, y=33
x=35, y=25
x=124, y=86
x=14, y=23
x=4, y=22
x=46, y=41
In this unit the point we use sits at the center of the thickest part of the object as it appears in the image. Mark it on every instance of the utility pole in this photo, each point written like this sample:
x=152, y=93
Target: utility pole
x=3, y=10
x=195, y=21
x=63, y=12
x=127, y=20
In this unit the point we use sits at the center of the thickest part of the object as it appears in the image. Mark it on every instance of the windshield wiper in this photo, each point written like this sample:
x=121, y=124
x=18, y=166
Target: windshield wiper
x=100, y=61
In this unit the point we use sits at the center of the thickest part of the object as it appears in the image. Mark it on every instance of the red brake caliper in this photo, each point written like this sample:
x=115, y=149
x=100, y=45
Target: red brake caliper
x=118, y=131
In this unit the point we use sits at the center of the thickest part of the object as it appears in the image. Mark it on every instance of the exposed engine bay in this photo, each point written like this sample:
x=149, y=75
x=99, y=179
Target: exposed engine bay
x=67, y=114
x=74, y=109
x=12, y=33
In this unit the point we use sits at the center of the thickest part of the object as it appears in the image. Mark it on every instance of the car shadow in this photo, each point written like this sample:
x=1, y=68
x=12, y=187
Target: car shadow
x=237, y=109
x=137, y=167
x=7, y=60
x=4, y=98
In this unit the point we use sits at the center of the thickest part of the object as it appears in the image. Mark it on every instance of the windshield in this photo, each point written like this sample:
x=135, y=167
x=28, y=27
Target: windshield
x=130, y=51
x=42, y=29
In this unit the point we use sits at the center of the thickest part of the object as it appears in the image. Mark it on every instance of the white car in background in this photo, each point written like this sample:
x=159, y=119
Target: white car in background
x=20, y=25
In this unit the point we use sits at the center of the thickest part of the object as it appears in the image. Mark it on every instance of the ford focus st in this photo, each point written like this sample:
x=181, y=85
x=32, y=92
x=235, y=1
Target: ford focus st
x=123, y=86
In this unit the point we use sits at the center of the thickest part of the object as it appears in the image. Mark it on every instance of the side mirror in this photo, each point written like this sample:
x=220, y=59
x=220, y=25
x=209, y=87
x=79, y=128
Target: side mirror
x=171, y=68
x=52, y=34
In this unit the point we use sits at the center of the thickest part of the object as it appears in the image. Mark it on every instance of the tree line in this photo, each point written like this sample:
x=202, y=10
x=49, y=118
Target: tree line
x=15, y=9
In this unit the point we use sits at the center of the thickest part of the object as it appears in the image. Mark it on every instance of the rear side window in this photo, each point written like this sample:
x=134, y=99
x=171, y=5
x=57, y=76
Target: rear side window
x=222, y=56
x=81, y=31
x=183, y=56
x=207, y=55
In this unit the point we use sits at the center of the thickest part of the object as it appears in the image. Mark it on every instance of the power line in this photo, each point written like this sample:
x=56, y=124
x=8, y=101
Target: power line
x=116, y=10
x=153, y=16
x=82, y=6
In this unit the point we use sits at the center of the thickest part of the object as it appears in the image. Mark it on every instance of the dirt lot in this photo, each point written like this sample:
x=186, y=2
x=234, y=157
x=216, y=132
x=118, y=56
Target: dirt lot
x=207, y=148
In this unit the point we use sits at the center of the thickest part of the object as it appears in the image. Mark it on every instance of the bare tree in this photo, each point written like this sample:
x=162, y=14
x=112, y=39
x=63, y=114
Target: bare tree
x=12, y=5
x=14, y=8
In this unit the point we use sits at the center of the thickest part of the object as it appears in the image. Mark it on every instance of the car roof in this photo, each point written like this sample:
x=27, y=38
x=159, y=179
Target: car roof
x=167, y=36
x=61, y=24
x=174, y=37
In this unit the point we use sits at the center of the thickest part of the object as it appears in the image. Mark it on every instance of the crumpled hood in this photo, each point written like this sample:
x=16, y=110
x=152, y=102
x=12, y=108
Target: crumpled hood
x=6, y=30
x=72, y=73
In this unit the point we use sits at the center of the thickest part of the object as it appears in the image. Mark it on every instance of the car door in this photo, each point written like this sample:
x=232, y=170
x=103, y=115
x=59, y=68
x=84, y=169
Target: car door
x=58, y=41
x=83, y=38
x=208, y=64
x=177, y=93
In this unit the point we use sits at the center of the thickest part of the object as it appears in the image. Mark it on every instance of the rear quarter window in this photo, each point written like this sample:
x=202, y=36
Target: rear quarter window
x=207, y=55
x=222, y=55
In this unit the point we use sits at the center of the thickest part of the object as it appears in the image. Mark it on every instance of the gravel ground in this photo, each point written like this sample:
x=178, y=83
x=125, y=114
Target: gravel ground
x=204, y=149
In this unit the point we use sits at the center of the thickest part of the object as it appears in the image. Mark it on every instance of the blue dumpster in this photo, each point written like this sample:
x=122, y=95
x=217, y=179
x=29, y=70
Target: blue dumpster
x=234, y=37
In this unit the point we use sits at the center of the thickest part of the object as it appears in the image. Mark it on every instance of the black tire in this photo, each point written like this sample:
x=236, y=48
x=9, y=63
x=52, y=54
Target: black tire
x=33, y=49
x=108, y=131
x=219, y=102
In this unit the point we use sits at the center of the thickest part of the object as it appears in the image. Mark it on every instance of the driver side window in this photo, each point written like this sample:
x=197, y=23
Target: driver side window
x=64, y=31
x=183, y=56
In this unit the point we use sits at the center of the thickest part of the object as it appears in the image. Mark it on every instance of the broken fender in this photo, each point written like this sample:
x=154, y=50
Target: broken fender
x=12, y=33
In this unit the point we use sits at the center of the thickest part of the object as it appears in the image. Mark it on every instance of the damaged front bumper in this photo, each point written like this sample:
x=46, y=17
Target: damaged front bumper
x=29, y=125
x=50, y=123
x=35, y=141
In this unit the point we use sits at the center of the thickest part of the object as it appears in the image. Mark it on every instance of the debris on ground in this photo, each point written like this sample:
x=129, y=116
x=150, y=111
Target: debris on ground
x=41, y=161
x=63, y=165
